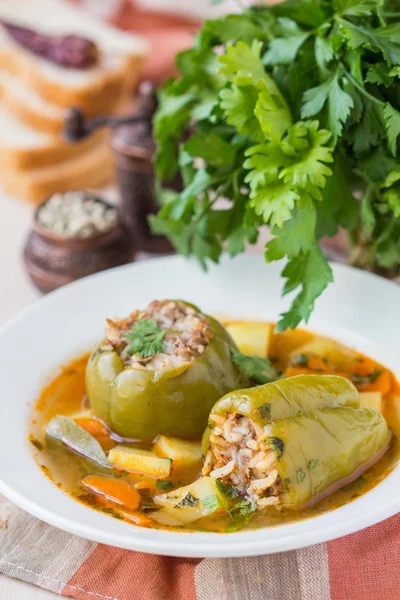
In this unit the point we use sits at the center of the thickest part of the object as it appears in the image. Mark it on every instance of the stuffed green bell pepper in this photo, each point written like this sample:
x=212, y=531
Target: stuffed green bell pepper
x=160, y=371
x=292, y=442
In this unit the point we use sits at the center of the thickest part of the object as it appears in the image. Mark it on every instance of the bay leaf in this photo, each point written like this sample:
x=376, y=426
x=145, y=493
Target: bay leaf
x=76, y=438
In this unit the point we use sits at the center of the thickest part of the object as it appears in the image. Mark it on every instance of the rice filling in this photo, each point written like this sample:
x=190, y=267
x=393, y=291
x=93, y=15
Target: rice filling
x=187, y=335
x=242, y=453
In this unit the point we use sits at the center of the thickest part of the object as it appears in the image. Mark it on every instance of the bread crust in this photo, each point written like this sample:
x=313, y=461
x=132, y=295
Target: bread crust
x=101, y=96
x=55, y=151
x=94, y=98
x=91, y=170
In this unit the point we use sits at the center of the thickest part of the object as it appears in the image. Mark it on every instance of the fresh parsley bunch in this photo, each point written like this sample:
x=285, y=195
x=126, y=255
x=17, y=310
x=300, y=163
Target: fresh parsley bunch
x=286, y=111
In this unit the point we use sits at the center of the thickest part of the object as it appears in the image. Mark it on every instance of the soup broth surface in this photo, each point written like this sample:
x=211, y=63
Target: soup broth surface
x=66, y=396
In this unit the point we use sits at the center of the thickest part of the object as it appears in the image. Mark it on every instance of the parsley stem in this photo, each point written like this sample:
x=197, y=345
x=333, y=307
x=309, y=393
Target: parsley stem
x=361, y=88
x=380, y=17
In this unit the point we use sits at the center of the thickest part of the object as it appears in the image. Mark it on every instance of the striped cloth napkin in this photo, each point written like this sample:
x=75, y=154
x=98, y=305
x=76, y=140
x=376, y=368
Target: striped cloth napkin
x=361, y=566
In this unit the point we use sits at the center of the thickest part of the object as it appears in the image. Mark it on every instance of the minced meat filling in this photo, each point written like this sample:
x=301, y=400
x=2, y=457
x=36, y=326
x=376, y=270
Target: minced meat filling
x=188, y=335
x=240, y=453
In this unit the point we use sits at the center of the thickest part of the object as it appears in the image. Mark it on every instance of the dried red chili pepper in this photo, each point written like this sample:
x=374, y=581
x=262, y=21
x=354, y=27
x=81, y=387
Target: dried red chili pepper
x=71, y=51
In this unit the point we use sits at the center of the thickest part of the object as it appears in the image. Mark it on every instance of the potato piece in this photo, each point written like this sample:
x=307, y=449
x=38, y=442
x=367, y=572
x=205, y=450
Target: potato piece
x=252, y=337
x=285, y=343
x=371, y=400
x=82, y=414
x=336, y=354
x=139, y=460
x=183, y=453
x=163, y=518
x=192, y=502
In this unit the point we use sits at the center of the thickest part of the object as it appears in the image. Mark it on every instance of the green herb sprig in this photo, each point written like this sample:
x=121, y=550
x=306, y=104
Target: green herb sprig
x=188, y=500
x=286, y=110
x=257, y=368
x=146, y=338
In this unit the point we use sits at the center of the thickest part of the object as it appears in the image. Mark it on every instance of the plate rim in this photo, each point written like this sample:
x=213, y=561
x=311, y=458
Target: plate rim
x=212, y=548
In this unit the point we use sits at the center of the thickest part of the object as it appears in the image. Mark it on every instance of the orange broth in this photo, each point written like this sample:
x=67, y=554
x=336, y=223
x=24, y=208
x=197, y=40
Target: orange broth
x=65, y=395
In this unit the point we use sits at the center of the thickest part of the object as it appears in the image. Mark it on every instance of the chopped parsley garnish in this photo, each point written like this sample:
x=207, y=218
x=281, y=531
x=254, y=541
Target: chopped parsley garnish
x=146, y=338
x=265, y=411
x=188, y=500
x=277, y=445
x=257, y=368
x=210, y=504
x=86, y=498
x=146, y=500
x=300, y=360
x=121, y=473
x=300, y=475
x=358, y=379
x=313, y=463
x=240, y=514
x=286, y=483
x=228, y=490
x=110, y=511
x=96, y=353
x=164, y=484
x=38, y=445
x=245, y=508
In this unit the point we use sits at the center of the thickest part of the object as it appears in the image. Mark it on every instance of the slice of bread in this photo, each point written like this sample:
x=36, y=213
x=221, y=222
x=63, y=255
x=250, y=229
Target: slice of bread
x=92, y=169
x=22, y=147
x=117, y=71
x=29, y=107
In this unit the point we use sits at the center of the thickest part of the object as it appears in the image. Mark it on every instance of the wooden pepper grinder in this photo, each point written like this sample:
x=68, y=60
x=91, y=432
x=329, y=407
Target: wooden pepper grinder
x=134, y=147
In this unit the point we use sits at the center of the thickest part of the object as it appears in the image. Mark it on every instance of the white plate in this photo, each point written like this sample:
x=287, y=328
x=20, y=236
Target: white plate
x=359, y=309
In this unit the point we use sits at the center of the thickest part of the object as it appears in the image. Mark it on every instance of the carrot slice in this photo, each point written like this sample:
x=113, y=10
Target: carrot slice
x=106, y=443
x=113, y=490
x=383, y=384
x=293, y=371
x=94, y=427
x=136, y=517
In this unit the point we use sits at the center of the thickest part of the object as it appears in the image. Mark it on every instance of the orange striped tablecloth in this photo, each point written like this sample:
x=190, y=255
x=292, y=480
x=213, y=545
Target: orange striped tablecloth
x=361, y=566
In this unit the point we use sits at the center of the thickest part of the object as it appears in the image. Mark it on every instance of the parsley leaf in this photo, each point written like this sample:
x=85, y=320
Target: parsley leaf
x=257, y=368
x=245, y=508
x=242, y=64
x=357, y=8
x=392, y=120
x=264, y=410
x=238, y=104
x=323, y=52
x=212, y=148
x=295, y=236
x=277, y=445
x=284, y=50
x=273, y=114
x=210, y=504
x=339, y=102
x=300, y=475
x=188, y=500
x=310, y=271
x=145, y=338
x=164, y=484
x=227, y=490
x=384, y=39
